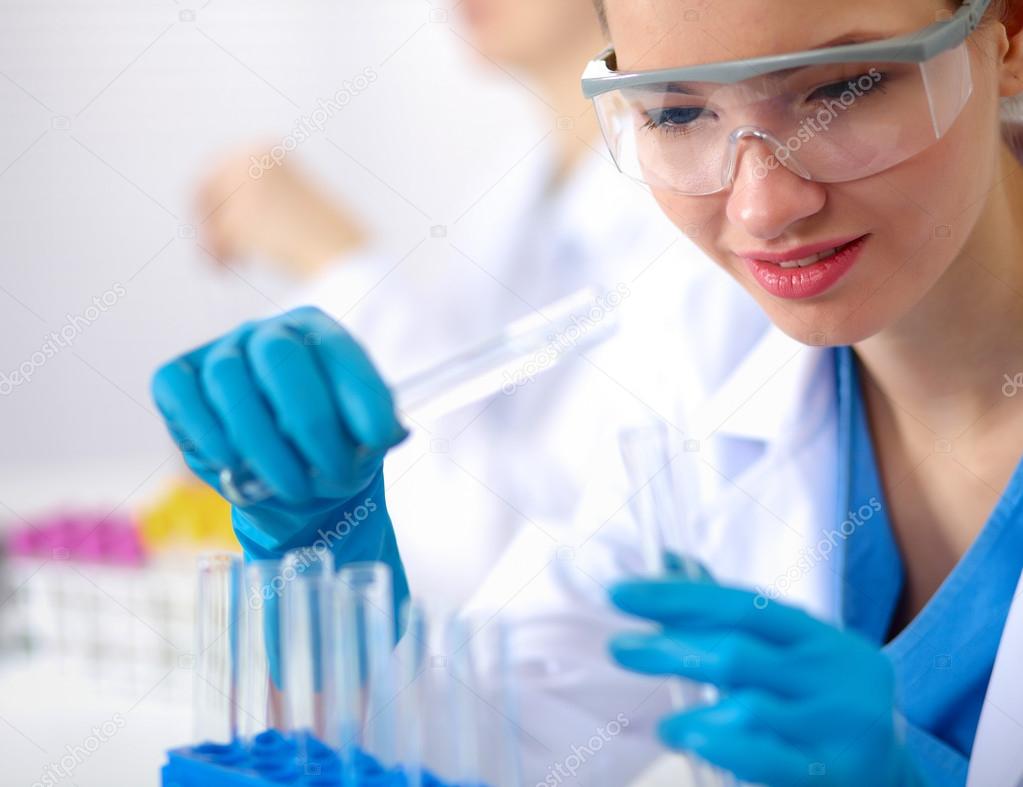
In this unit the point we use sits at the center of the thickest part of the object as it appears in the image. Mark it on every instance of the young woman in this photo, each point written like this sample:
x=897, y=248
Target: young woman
x=846, y=164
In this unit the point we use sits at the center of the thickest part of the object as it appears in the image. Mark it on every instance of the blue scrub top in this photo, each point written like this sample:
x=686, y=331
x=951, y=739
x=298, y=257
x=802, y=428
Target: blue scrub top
x=944, y=657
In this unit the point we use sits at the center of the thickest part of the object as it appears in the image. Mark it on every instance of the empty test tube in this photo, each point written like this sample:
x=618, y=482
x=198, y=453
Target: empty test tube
x=664, y=523
x=646, y=453
x=479, y=704
x=465, y=752
x=365, y=638
x=413, y=687
x=308, y=615
x=215, y=671
x=260, y=683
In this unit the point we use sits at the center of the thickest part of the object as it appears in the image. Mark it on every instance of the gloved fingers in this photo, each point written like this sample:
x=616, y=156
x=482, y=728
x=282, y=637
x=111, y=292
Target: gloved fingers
x=202, y=468
x=706, y=606
x=722, y=736
x=299, y=395
x=729, y=660
x=855, y=719
x=239, y=405
x=762, y=711
x=364, y=401
x=366, y=464
x=177, y=392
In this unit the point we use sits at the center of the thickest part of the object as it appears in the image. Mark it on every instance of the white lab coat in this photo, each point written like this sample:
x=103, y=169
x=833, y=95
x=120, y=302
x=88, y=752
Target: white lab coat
x=463, y=486
x=761, y=474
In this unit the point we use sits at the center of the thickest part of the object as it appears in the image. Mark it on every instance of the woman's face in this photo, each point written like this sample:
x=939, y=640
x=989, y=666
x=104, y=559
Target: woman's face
x=916, y=216
x=531, y=33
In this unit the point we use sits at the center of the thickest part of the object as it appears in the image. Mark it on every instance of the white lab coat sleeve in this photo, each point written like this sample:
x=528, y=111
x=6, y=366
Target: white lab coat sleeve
x=344, y=284
x=582, y=719
x=381, y=310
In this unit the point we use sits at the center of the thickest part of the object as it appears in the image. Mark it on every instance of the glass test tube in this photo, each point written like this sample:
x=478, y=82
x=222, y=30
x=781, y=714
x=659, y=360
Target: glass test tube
x=463, y=742
x=364, y=643
x=308, y=616
x=260, y=684
x=481, y=716
x=646, y=452
x=412, y=674
x=215, y=672
x=563, y=327
x=664, y=524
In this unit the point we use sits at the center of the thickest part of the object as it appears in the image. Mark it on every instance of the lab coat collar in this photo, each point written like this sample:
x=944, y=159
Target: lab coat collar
x=769, y=395
x=997, y=757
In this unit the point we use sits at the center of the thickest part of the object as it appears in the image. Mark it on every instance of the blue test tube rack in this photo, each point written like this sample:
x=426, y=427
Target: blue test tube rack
x=272, y=760
x=321, y=709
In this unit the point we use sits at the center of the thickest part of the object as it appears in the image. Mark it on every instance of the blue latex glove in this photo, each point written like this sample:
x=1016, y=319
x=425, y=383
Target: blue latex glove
x=296, y=399
x=801, y=702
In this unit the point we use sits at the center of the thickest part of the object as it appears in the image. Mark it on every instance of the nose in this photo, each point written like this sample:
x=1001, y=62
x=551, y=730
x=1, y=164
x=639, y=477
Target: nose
x=766, y=196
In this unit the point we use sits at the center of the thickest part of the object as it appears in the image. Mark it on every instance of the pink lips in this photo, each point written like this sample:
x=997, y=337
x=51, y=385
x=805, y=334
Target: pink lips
x=814, y=279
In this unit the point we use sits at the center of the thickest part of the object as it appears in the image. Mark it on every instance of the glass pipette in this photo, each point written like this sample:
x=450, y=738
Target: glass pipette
x=523, y=350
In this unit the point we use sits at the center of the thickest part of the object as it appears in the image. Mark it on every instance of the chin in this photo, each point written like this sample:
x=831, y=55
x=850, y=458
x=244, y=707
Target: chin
x=842, y=317
x=825, y=328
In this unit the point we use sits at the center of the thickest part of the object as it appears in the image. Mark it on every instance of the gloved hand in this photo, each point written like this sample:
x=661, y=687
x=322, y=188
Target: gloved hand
x=801, y=701
x=296, y=399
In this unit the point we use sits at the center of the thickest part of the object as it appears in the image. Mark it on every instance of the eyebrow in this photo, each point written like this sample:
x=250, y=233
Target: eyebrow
x=852, y=38
x=677, y=87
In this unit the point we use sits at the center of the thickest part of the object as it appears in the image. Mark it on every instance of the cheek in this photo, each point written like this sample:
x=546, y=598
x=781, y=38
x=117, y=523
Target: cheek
x=939, y=193
x=698, y=218
x=921, y=212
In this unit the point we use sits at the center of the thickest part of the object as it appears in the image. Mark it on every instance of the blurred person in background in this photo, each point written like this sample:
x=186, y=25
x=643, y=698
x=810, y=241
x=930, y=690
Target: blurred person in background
x=562, y=219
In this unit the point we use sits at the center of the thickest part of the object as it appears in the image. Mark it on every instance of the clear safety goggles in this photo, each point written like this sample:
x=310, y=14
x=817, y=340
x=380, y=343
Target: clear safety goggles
x=830, y=115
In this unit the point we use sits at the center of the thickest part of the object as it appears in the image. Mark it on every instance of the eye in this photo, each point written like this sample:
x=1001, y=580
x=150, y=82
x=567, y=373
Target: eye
x=673, y=118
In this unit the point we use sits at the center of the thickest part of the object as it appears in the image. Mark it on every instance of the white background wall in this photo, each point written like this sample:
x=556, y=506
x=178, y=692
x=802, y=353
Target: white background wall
x=109, y=111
